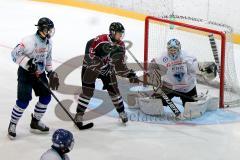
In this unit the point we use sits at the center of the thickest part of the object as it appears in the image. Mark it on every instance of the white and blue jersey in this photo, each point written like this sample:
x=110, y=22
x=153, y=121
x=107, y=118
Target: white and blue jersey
x=52, y=154
x=181, y=72
x=34, y=47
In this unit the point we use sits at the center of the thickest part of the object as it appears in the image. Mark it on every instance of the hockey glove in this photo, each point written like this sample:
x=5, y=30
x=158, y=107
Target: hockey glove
x=32, y=66
x=53, y=80
x=132, y=77
x=211, y=68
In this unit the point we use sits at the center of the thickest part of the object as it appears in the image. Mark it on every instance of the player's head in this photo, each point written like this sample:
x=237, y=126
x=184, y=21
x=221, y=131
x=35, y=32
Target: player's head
x=116, y=31
x=63, y=140
x=45, y=27
x=173, y=48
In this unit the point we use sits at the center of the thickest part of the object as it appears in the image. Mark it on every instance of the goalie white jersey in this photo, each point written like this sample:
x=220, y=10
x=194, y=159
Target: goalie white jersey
x=181, y=72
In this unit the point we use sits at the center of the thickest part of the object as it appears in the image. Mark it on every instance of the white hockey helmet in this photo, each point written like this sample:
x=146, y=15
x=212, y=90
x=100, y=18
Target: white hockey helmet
x=174, y=48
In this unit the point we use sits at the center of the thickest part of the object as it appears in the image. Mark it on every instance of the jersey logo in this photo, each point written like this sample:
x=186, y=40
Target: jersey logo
x=179, y=76
x=165, y=59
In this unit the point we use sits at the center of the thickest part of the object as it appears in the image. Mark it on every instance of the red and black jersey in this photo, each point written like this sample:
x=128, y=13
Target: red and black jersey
x=108, y=51
x=103, y=47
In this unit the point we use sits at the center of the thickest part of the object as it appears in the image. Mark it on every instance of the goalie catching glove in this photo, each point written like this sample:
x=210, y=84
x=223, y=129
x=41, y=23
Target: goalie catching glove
x=53, y=80
x=132, y=77
x=208, y=69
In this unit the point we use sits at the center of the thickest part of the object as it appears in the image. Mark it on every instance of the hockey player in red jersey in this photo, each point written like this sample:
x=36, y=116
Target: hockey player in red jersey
x=104, y=59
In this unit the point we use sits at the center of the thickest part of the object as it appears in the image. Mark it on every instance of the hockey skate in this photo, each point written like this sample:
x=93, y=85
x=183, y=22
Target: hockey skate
x=78, y=119
x=12, y=131
x=37, y=126
x=123, y=116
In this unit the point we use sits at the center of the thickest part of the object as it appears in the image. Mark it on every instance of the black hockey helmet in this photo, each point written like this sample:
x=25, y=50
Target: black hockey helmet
x=44, y=23
x=116, y=27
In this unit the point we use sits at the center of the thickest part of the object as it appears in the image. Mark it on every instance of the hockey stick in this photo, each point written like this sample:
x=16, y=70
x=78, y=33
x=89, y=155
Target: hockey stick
x=159, y=88
x=215, y=52
x=216, y=58
x=159, y=84
x=80, y=127
x=170, y=90
x=170, y=103
x=135, y=59
x=165, y=89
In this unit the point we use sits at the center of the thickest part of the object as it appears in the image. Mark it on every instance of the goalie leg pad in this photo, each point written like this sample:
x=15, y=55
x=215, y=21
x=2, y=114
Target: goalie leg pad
x=132, y=102
x=132, y=98
x=213, y=104
x=151, y=106
x=197, y=109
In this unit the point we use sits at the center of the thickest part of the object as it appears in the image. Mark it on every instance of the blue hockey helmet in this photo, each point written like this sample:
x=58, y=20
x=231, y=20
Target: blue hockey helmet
x=174, y=48
x=63, y=139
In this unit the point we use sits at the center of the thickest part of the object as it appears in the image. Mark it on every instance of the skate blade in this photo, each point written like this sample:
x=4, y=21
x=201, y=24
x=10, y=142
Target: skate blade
x=11, y=137
x=36, y=131
x=123, y=123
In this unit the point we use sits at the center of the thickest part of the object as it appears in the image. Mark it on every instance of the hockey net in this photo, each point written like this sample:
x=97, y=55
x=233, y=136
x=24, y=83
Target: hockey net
x=194, y=37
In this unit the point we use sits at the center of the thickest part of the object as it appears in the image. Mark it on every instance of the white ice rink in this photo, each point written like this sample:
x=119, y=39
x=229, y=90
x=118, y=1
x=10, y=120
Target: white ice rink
x=215, y=136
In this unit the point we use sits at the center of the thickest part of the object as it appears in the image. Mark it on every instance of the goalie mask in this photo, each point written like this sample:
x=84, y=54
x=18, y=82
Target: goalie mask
x=173, y=48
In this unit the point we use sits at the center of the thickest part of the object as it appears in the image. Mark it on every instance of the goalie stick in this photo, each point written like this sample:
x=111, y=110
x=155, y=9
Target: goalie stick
x=158, y=87
x=80, y=127
x=173, y=91
x=170, y=103
x=178, y=93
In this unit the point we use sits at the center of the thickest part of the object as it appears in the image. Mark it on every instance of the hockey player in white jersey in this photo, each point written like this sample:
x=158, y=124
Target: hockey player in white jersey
x=180, y=74
x=175, y=73
x=63, y=143
x=34, y=56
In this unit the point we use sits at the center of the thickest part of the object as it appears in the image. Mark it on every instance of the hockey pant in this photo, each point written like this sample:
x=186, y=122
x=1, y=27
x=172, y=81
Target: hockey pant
x=26, y=83
x=88, y=85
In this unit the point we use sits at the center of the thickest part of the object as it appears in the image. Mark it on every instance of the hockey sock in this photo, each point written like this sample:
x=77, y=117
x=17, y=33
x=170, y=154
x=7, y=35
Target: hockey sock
x=41, y=107
x=82, y=104
x=118, y=103
x=18, y=110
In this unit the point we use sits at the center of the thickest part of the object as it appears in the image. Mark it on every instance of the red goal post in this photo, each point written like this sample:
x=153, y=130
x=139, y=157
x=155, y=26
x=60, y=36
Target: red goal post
x=222, y=51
